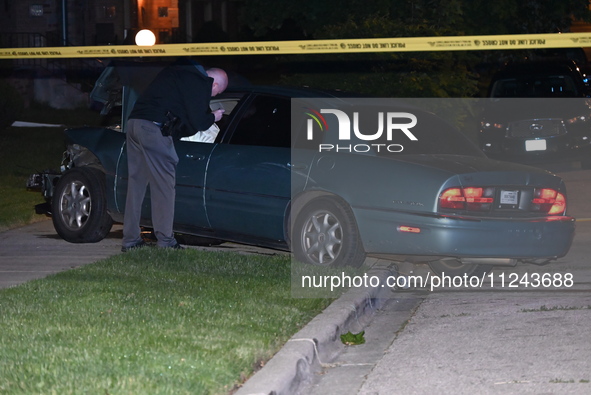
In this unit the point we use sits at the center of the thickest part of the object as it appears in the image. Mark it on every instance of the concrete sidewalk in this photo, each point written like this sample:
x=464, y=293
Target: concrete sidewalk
x=35, y=251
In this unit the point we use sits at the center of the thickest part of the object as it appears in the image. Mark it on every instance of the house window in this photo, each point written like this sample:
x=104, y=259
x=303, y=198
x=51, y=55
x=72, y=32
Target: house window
x=110, y=11
x=162, y=12
x=36, y=10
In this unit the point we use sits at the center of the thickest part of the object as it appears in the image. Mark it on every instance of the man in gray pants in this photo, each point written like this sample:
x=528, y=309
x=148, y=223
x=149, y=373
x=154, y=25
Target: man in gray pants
x=182, y=90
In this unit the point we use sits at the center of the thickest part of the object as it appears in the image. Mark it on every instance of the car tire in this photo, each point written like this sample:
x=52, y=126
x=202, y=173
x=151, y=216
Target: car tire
x=454, y=267
x=79, y=206
x=325, y=233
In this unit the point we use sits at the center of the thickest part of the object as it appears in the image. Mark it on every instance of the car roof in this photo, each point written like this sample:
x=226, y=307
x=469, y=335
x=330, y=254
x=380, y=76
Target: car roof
x=290, y=91
x=538, y=66
x=525, y=70
x=138, y=74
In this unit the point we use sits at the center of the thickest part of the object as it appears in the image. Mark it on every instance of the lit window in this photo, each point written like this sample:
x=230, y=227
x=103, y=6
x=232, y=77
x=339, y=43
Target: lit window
x=36, y=10
x=162, y=12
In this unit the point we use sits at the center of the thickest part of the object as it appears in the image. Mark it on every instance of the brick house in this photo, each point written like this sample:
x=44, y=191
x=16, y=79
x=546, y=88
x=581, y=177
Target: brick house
x=104, y=22
x=51, y=23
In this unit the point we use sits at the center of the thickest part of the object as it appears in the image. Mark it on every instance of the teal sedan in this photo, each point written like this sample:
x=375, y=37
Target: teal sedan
x=295, y=169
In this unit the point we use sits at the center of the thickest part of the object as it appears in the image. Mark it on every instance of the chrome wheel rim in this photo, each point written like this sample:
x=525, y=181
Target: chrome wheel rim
x=75, y=205
x=322, y=238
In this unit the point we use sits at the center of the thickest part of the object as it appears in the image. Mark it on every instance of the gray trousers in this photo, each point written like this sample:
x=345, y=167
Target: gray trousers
x=151, y=160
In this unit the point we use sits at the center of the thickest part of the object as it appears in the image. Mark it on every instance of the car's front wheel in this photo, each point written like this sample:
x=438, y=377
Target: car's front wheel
x=325, y=233
x=79, y=206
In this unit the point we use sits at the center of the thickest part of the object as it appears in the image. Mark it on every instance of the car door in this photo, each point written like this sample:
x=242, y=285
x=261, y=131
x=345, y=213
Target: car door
x=190, y=183
x=194, y=153
x=248, y=177
x=190, y=176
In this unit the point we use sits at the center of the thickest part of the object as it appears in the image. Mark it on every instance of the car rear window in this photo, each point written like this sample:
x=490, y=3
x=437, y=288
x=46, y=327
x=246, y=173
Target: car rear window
x=436, y=136
x=385, y=126
x=535, y=86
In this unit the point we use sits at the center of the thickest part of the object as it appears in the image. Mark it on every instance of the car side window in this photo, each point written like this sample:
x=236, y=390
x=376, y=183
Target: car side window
x=266, y=122
x=210, y=135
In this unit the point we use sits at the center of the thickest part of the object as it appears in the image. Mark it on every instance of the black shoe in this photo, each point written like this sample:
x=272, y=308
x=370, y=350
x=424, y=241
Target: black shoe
x=177, y=246
x=133, y=247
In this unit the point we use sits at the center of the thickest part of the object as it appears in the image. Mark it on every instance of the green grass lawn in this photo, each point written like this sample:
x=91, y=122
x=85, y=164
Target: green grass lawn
x=149, y=322
x=144, y=322
x=24, y=151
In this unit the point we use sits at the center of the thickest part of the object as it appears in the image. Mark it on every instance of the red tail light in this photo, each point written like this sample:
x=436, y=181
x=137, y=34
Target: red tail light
x=548, y=201
x=452, y=198
x=473, y=199
x=544, y=200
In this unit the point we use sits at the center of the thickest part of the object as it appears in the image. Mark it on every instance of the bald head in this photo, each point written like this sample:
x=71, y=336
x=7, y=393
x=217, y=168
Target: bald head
x=220, y=80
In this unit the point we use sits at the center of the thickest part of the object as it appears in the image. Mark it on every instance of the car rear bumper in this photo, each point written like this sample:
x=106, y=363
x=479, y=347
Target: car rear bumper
x=539, y=238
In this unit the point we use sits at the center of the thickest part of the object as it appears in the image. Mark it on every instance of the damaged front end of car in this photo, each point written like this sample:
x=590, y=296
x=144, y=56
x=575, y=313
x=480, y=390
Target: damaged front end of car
x=46, y=181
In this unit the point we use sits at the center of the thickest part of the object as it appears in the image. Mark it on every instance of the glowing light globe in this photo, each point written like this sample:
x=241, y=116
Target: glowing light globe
x=145, y=38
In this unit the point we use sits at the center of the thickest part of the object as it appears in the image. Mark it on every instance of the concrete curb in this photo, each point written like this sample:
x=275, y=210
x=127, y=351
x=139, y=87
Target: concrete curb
x=319, y=342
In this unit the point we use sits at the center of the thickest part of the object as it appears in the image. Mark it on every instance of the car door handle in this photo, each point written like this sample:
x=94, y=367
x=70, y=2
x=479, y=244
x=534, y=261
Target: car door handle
x=297, y=166
x=195, y=157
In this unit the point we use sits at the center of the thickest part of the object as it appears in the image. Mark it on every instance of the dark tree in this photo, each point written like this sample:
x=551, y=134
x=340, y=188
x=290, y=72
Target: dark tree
x=424, y=74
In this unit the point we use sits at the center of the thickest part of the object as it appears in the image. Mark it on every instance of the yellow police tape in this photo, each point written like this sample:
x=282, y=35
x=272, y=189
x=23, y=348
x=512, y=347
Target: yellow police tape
x=395, y=44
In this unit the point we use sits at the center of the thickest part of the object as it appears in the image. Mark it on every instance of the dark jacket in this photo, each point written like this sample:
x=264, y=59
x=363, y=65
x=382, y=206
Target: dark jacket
x=182, y=89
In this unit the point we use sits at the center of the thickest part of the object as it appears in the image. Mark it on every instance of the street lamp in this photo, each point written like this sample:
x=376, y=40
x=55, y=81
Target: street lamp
x=145, y=38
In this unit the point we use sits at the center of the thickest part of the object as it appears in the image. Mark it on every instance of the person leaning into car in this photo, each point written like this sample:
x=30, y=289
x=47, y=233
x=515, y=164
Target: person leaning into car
x=183, y=91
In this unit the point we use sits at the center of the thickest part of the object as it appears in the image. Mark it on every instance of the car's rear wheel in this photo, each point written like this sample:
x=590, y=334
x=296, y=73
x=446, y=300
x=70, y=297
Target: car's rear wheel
x=454, y=267
x=79, y=206
x=325, y=233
